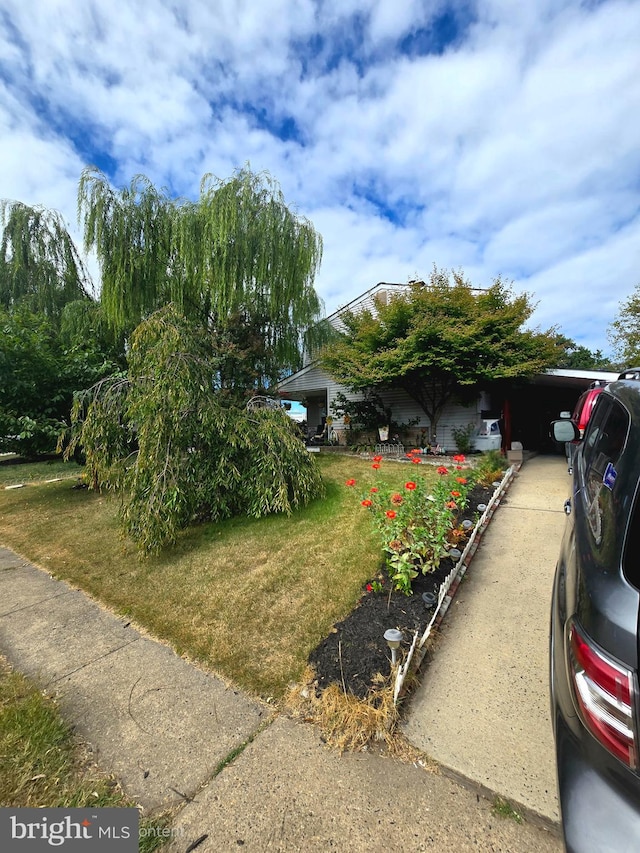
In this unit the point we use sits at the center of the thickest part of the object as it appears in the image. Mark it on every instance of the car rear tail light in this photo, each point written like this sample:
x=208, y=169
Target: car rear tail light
x=605, y=696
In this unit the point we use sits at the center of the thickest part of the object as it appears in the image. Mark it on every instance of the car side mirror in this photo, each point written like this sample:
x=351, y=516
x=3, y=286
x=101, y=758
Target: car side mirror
x=564, y=430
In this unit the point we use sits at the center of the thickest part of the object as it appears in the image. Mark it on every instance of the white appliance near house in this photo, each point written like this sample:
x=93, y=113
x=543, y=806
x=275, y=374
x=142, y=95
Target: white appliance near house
x=487, y=436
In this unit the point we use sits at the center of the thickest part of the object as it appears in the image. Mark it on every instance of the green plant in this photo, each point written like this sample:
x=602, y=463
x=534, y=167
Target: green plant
x=414, y=524
x=503, y=808
x=39, y=373
x=177, y=448
x=490, y=467
x=462, y=437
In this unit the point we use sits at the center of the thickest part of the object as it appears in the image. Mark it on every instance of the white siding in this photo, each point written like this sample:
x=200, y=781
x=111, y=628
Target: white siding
x=313, y=382
x=454, y=416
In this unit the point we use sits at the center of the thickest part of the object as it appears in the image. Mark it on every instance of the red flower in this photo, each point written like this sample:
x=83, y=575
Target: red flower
x=459, y=458
x=416, y=450
x=350, y=483
x=409, y=455
x=442, y=470
x=373, y=490
x=376, y=465
x=369, y=588
x=377, y=458
x=390, y=513
x=458, y=467
x=461, y=480
x=451, y=505
x=415, y=460
x=410, y=486
x=455, y=494
x=396, y=499
x=367, y=502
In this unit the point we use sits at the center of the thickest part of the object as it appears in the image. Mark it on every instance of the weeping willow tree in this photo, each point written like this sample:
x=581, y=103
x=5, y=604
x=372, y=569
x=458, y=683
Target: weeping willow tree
x=166, y=439
x=40, y=267
x=237, y=255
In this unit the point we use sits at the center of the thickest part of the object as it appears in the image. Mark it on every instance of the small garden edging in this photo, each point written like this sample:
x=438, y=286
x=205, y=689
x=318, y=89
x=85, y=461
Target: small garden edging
x=449, y=586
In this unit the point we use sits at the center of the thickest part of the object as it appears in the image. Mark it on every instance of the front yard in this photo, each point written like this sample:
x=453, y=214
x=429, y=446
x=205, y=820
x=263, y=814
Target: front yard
x=248, y=598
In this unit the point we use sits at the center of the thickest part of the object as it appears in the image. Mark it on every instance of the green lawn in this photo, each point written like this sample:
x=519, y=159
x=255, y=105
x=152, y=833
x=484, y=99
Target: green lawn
x=249, y=598
x=14, y=470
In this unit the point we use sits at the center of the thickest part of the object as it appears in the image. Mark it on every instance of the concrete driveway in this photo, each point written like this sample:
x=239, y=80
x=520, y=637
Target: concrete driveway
x=482, y=709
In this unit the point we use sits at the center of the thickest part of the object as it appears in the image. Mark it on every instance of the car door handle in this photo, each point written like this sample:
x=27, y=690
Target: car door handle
x=567, y=506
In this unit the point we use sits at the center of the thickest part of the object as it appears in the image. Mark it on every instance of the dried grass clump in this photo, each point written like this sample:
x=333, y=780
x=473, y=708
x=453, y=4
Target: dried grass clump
x=349, y=723
x=346, y=721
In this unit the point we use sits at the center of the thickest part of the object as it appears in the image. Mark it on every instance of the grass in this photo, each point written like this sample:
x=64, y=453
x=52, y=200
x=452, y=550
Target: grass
x=14, y=470
x=503, y=808
x=248, y=598
x=42, y=765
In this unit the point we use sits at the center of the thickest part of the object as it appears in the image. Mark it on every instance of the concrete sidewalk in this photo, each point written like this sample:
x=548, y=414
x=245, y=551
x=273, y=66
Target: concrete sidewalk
x=482, y=709
x=165, y=728
x=161, y=725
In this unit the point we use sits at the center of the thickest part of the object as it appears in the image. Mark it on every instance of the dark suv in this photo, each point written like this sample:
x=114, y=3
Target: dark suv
x=595, y=696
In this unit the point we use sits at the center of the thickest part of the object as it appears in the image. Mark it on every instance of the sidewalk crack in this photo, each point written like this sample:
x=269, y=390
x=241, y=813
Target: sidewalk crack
x=92, y=661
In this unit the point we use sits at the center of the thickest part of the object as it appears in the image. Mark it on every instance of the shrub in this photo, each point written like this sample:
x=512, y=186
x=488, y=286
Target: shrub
x=462, y=437
x=490, y=467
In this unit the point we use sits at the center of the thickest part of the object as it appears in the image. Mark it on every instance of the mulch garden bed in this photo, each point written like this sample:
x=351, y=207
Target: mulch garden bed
x=355, y=654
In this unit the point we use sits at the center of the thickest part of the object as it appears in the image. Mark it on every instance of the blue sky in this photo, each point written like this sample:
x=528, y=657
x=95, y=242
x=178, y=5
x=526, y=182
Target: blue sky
x=499, y=137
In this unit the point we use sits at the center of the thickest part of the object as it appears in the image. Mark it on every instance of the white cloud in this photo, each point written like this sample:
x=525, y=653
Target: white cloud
x=515, y=151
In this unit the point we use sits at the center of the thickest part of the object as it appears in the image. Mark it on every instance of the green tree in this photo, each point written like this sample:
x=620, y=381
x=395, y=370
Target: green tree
x=39, y=373
x=624, y=331
x=236, y=257
x=169, y=439
x=575, y=356
x=438, y=338
x=40, y=267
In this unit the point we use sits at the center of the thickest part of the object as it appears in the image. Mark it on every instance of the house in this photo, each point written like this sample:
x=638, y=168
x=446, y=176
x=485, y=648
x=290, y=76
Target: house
x=526, y=407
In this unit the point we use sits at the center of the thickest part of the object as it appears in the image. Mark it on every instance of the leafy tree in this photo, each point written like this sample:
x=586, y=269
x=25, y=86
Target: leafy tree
x=39, y=373
x=168, y=438
x=84, y=326
x=52, y=341
x=575, y=356
x=438, y=338
x=624, y=331
x=40, y=268
x=235, y=257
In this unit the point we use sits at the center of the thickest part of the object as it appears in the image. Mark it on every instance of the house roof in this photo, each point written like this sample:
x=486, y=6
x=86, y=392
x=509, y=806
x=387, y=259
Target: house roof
x=569, y=377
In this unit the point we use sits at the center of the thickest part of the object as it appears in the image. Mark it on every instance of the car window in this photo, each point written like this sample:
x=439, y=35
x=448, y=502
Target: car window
x=578, y=408
x=594, y=429
x=604, y=441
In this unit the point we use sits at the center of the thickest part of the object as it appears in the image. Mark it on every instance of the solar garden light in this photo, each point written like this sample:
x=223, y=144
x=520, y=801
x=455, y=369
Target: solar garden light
x=482, y=507
x=429, y=599
x=455, y=554
x=466, y=524
x=393, y=637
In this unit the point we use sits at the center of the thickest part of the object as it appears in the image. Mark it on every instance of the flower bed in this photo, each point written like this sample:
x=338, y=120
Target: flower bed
x=355, y=655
